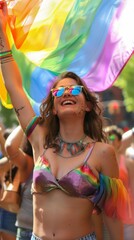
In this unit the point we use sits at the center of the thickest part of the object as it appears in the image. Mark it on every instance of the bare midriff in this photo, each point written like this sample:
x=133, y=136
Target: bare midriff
x=62, y=217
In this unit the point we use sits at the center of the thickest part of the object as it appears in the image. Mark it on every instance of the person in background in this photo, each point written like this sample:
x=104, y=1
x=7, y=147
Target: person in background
x=129, y=162
x=71, y=167
x=123, y=144
x=7, y=219
x=20, y=153
x=121, y=140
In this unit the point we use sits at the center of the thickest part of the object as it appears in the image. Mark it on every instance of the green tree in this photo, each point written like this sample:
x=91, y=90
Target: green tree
x=8, y=117
x=126, y=82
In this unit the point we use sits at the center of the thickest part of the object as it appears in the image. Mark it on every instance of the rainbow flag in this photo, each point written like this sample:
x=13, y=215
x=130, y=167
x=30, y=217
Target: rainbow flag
x=93, y=38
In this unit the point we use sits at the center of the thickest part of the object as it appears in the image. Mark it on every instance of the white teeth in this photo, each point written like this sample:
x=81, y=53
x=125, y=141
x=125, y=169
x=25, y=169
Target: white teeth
x=67, y=102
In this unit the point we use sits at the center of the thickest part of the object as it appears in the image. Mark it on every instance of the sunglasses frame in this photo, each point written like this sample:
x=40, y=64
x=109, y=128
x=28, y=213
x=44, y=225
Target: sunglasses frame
x=69, y=88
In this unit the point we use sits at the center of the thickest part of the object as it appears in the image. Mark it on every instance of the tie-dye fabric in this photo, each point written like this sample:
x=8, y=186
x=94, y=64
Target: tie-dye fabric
x=94, y=39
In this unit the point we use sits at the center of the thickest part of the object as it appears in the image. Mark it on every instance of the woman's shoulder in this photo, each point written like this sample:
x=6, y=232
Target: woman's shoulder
x=105, y=155
x=104, y=148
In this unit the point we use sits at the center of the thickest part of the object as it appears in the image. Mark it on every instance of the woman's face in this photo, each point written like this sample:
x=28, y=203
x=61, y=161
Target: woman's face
x=67, y=104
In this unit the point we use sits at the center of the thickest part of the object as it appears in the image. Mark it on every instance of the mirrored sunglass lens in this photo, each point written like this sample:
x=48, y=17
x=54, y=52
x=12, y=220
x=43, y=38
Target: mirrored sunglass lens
x=59, y=92
x=76, y=90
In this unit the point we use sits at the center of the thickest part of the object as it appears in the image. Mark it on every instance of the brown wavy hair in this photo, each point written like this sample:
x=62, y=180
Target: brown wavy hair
x=93, y=122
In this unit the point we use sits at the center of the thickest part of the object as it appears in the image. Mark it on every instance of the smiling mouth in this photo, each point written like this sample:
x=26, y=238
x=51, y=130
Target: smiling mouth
x=68, y=102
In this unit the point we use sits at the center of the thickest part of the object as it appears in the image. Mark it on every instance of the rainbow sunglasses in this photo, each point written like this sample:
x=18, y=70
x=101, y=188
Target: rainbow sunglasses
x=73, y=90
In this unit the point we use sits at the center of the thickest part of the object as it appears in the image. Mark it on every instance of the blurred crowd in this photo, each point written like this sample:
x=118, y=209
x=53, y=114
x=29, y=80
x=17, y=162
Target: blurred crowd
x=16, y=151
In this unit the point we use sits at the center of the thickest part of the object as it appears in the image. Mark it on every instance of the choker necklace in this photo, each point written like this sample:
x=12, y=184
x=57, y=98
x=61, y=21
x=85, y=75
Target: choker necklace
x=73, y=148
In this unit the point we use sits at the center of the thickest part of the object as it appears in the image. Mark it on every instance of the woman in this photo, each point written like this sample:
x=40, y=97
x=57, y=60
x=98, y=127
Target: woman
x=20, y=152
x=129, y=164
x=70, y=155
x=7, y=219
x=121, y=143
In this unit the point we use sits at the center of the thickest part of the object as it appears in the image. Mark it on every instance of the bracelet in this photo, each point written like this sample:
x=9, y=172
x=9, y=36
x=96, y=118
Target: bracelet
x=5, y=53
x=29, y=129
x=6, y=57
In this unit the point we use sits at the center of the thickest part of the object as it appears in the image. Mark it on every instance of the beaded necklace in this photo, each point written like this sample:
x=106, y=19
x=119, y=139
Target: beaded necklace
x=74, y=148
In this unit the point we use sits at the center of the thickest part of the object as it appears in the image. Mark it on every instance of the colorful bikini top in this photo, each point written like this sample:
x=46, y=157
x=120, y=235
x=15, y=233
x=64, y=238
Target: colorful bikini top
x=79, y=182
x=104, y=192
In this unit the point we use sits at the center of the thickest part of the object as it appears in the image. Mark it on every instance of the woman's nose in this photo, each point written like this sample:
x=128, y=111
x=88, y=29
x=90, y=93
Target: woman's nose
x=67, y=91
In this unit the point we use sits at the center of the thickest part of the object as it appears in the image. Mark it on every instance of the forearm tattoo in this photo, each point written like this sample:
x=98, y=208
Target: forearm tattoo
x=1, y=44
x=17, y=110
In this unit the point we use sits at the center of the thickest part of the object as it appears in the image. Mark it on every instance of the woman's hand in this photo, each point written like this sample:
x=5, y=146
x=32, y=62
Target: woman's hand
x=1, y=4
x=3, y=15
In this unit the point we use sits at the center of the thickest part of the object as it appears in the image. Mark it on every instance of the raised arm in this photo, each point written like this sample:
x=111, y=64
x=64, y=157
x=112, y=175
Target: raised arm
x=11, y=73
x=20, y=152
x=4, y=162
x=4, y=165
x=2, y=142
x=14, y=142
x=127, y=139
